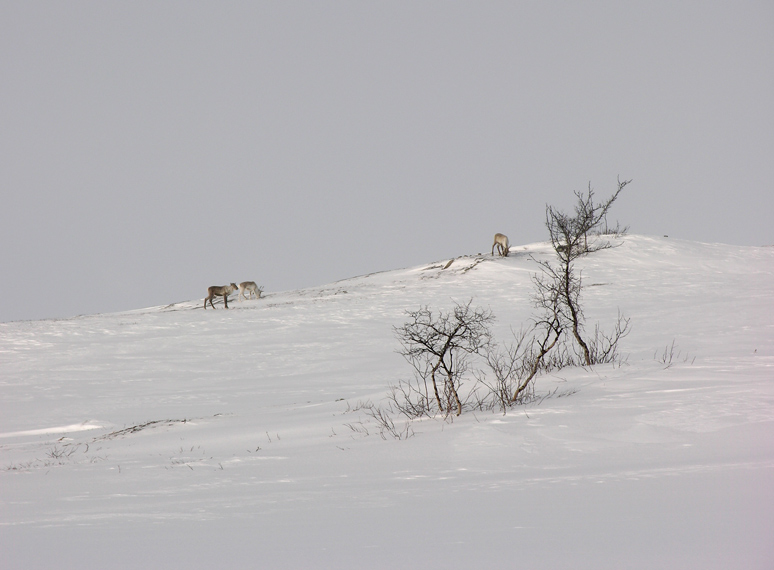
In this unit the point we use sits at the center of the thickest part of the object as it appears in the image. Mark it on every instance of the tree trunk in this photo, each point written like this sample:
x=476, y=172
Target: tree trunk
x=435, y=386
x=574, y=314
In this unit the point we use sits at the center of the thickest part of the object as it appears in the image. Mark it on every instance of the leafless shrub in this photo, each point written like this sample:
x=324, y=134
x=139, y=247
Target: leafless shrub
x=438, y=347
x=558, y=286
x=411, y=398
x=443, y=347
x=509, y=371
x=569, y=232
x=603, y=347
x=360, y=405
x=557, y=293
x=60, y=454
x=670, y=354
x=358, y=428
x=26, y=466
x=382, y=417
x=386, y=424
x=616, y=231
x=434, y=343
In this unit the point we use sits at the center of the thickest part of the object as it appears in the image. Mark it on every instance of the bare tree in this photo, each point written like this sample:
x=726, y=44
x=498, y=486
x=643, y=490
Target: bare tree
x=559, y=287
x=551, y=331
x=438, y=345
x=604, y=346
x=443, y=347
x=516, y=365
x=569, y=232
x=512, y=368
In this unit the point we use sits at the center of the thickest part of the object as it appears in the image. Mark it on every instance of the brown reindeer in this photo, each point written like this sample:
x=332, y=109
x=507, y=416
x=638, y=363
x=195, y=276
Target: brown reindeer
x=219, y=291
x=502, y=244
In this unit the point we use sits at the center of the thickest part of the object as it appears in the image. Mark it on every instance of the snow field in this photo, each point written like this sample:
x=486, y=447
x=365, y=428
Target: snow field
x=178, y=437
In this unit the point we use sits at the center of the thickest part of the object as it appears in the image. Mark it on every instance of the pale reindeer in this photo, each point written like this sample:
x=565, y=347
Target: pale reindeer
x=502, y=244
x=219, y=291
x=251, y=288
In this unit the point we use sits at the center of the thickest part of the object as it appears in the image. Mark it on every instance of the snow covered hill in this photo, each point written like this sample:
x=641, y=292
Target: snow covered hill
x=182, y=438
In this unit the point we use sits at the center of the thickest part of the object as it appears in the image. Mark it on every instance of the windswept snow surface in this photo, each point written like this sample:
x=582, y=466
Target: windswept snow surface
x=174, y=437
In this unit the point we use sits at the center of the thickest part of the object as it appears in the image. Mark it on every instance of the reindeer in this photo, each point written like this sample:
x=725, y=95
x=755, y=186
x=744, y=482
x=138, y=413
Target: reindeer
x=251, y=288
x=219, y=291
x=501, y=241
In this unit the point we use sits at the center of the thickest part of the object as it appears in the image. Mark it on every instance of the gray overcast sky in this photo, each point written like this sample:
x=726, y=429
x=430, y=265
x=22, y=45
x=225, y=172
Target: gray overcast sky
x=150, y=149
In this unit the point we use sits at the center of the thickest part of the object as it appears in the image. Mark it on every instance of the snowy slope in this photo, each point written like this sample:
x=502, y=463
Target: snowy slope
x=178, y=437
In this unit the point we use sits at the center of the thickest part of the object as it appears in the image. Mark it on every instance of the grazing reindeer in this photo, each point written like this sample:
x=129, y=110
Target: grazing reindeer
x=501, y=241
x=219, y=291
x=251, y=288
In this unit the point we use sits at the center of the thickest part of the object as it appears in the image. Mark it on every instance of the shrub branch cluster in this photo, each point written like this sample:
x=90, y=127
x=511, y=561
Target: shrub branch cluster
x=457, y=363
